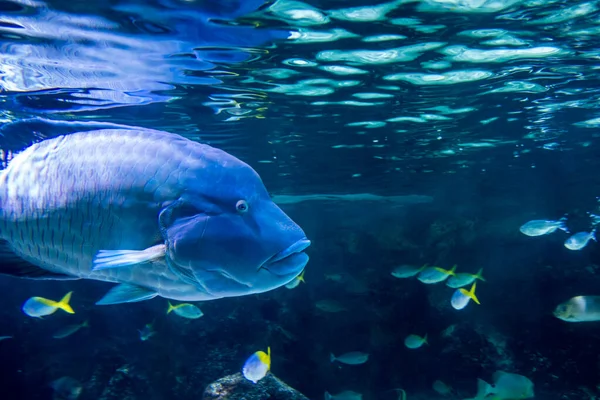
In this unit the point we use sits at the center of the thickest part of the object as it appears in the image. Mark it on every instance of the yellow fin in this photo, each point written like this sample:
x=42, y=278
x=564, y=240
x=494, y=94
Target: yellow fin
x=452, y=270
x=301, y=276
x=265, y=358
x=471, y=293
x=63, y=304
x=171, y=308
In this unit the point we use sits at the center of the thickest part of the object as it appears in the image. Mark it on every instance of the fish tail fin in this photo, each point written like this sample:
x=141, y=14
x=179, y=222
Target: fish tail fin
x=425, y=339
x=452, y=270
x=479, y=276
x=301, y=276
x=562, y=224
x=471, y=293
x=331, y=357
x=269, y=357
x=327, y=396
x=63, y=304
x=86, y=323
x=593, y=235
x=171, y=308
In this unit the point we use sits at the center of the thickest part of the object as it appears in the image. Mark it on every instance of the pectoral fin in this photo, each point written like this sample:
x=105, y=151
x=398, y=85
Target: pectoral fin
x=125, y=293
x=123, y=258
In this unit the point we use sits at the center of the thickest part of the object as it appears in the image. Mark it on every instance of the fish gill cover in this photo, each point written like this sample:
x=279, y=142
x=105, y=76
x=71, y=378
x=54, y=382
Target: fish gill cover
x=403, y=137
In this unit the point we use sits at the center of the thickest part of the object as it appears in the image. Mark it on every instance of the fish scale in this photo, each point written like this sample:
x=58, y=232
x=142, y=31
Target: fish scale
x=46, y=237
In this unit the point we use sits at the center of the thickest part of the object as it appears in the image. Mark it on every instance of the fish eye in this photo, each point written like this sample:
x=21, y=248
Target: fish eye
x=241, y=206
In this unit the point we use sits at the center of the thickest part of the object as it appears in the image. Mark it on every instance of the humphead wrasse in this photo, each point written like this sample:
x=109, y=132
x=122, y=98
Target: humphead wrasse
x=155, y=212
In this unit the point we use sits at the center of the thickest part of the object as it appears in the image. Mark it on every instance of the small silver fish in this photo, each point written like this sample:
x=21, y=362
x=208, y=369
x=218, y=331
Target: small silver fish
x=38, y=307
x=351, y=358
x=69, y=330
x=579, y=309
x=461, y=297
x=463, y=279
x=257, y=365
x=432, y=275
x=540, y=227
x=407, y=271
x=415, y=341
x=185, y=310
x=579, y=240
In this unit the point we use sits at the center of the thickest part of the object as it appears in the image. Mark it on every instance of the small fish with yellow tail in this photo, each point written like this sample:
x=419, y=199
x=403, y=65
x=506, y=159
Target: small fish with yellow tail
x=407, y=271
x=70, y=329
x=296, y=281
x=415, y=341
x=39, y=307
x=185, y=310
x=435, y=274
x=464, y=278
x=257, y=365
x=462, y=297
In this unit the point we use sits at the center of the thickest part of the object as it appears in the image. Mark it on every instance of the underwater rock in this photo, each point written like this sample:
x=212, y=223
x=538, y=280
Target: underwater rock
x=236, y=387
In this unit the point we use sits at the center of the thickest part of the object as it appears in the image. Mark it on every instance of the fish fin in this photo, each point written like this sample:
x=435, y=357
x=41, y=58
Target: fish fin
x=563, y=224
x=425, y=339
x=301, y=276
x=452, y=270
x=470, y=293
x=331, y=357
x=86, y=323
x=327, y=396
x=14, y=265
x=63, y=304
x=269, y=358
x=124, y=258
x=126, y=293
x=171, y=308
x=479, y=276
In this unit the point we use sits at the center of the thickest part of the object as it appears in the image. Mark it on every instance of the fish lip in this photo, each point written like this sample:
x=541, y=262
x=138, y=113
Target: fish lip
x=294, y=250
x=297, y=247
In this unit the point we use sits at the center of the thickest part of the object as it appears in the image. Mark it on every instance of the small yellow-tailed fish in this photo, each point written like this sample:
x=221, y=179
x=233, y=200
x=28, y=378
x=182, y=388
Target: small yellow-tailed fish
x=296, y=281
x=70, y=329
x=39, y=307
x=407, y=271
x=464, y=278
x=415, y=341
x=185, y=310
x=435, y=274
x=462, y=297
x=257, y=365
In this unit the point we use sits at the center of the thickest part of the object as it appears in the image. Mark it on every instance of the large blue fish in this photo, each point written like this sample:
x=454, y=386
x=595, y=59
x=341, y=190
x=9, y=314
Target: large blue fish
x=153, y=211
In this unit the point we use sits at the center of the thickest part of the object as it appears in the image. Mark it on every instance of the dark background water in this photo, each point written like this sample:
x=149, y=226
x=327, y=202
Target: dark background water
x=209, y=71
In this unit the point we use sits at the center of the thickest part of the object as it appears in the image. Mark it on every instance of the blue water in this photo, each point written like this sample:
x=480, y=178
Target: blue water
x=467, y=118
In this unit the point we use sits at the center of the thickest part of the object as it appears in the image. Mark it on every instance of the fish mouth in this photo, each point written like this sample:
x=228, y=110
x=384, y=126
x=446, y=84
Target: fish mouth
x=289, y=261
